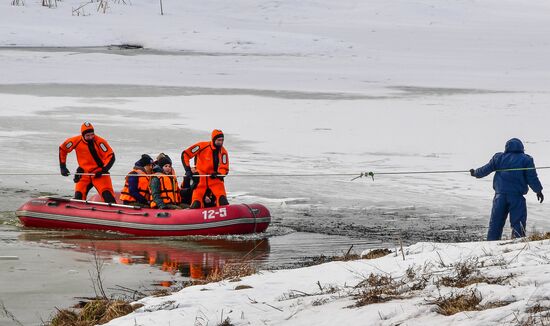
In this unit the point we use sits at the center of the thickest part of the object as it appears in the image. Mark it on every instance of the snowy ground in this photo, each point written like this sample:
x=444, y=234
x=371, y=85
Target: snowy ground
x=298, y=87
x=326, y=294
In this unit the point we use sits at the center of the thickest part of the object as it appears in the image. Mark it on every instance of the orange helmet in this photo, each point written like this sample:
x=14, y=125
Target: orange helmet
x=216, y=133
x=86, y=128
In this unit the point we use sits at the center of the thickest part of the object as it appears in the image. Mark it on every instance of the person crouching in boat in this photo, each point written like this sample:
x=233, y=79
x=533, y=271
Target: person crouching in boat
x=211, y=160
x=187, y=187
x=164, y=186
x=136, y=186
x=95, y=157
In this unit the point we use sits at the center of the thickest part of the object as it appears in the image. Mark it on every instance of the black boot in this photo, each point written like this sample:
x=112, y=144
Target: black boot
x=223, y=201
x=195, y=204
x=108, y=197
x=78, y=195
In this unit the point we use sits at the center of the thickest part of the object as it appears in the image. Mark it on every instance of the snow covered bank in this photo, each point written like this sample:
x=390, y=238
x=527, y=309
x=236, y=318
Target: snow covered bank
x=510, y=280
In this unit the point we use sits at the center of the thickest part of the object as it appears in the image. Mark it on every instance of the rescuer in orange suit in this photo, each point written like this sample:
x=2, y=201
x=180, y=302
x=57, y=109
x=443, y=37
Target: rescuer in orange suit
x=94, y=156
x=210, y=159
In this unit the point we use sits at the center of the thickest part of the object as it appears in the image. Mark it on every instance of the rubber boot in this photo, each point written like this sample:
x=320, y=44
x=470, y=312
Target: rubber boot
x=195, y=204
x=108, y=197
x=78, y=195
x=223, y=201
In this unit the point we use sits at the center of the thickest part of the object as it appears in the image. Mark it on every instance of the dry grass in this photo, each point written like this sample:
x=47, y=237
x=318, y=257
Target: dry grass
x=231, y=272
x=538, y=236
x=457, y=302
x=226, y=322
x=377, y=253
x=467, y=273
x=116, y=309
x=495, y=304
x=161, y=292
x=242, y=287
x=536, y=320
x=348, y=256
x=320, y=302
x=66, y=317
x=95, y=312
x=537, y=309
x=377, y=289
x=417, y=281
x=538, y=316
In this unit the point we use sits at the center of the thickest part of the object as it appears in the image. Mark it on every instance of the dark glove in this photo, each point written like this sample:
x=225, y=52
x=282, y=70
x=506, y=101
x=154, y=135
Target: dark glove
x=217, y=176
x=188, y=173
x=100, y=173
x=77, y=176
x=540, y=197
x=472, y=172
x=64, y=171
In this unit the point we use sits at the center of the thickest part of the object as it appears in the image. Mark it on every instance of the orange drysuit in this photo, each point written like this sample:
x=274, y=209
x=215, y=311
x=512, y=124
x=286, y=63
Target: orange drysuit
x=94, y=156
x=210, y=160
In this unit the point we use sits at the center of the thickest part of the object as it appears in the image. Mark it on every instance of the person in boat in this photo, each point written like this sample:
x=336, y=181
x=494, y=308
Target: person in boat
x=164, y=186
x=95, y=158
x=212, y=163
x=510, y=186
x=188, y=186
x=136, y=186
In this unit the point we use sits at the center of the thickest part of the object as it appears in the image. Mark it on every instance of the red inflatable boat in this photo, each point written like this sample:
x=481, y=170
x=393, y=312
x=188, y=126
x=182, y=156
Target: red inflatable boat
x=62, y=213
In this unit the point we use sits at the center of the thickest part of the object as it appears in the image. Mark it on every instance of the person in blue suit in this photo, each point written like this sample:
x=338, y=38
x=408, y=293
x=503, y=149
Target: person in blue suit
x=510, y=186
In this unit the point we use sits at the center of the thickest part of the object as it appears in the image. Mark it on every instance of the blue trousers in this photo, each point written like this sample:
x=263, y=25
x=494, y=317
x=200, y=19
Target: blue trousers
x=504, y=204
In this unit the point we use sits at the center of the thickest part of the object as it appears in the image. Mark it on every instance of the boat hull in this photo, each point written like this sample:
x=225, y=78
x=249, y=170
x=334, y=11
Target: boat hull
x=59, y=213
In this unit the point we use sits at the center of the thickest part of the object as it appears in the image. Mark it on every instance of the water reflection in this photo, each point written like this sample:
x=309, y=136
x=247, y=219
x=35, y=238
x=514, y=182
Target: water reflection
x=192, y=258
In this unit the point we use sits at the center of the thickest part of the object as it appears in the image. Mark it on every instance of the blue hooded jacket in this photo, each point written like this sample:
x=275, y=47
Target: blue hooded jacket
x=511, y=182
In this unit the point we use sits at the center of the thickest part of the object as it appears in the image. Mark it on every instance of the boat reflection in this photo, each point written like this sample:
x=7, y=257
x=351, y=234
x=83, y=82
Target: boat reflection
x=190, y=258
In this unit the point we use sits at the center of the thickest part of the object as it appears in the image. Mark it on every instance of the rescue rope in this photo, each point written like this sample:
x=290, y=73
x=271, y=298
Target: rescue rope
x=371, y=174
x=305, y=175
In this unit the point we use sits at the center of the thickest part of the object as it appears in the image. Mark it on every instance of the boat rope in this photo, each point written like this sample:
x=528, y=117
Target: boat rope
x=294, y=175
x=95, y=209
x=371, y=174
